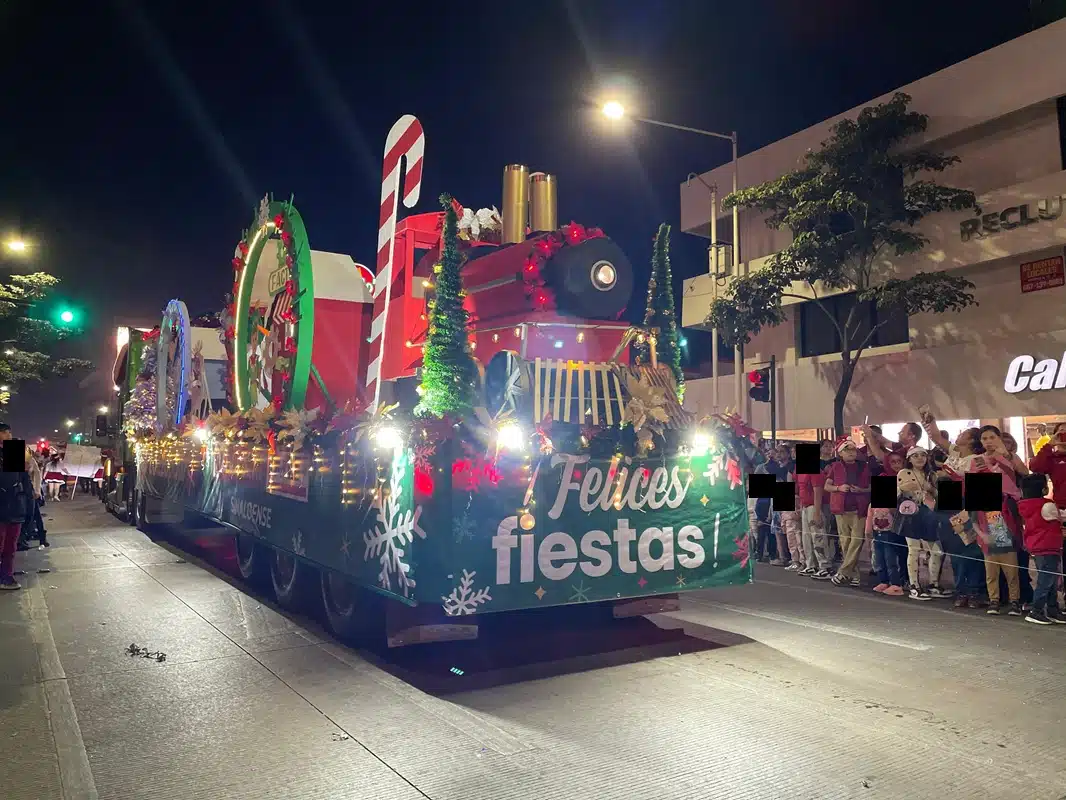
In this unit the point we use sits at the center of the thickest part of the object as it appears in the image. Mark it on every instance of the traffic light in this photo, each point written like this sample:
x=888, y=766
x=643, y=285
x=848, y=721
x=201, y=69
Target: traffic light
x=760, y=385
x=66, y=316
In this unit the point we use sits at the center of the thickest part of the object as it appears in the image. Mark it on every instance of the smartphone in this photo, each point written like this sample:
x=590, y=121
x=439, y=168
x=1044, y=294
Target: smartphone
x=924, y=412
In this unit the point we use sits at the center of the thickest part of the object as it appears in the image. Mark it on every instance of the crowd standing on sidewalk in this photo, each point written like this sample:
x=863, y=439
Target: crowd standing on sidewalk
x=18, y=499
x=1005, y=560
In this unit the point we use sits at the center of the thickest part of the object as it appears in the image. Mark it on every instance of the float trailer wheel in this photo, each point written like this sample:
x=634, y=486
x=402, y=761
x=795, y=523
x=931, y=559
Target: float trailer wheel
x=253, y=561
x=351, y=613
x=293, y=580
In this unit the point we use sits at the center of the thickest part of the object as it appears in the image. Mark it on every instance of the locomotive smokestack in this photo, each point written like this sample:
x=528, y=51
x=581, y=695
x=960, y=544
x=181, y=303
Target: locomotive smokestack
x=515, y=203
x=543, y=212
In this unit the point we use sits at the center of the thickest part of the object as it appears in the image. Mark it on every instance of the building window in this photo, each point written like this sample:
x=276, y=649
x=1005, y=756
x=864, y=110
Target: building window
x=818, y=336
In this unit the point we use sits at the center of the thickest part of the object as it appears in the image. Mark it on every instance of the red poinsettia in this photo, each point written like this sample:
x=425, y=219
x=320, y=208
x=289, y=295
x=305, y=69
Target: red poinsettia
x=743, y=551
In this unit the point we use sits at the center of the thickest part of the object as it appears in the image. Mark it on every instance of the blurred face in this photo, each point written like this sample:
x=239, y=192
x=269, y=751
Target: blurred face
x=827, y=450
x=5, y=435
x=991, y=442
x=918, y=460
x=1010, y=443
x=781, y=454
x=895, y=462
x=1059, y=435
x=910, y=434
x=848, y=454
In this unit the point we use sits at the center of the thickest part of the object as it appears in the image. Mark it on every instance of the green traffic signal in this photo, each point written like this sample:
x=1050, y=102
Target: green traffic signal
x=67, y=316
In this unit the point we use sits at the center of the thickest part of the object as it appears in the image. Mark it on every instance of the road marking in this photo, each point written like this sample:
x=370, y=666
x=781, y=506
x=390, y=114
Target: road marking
x=817, y=626
x=74, y=771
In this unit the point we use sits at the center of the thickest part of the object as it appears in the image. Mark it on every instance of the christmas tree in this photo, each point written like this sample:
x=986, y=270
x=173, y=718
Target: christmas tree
x=660, y=311
x=449, y=375
x=139, y=415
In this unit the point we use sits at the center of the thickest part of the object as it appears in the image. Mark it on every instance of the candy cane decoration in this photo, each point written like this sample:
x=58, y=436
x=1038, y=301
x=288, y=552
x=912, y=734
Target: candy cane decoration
x=405, y=139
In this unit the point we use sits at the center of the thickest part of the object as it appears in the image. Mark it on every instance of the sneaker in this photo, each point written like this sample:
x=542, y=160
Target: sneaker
x=856, y=583
x=808, y=571
x=918, y=593
x=776, y=562
x=1038, y=617
x=1014, y=610
x=822, y=575
x=936, y=591
x=1055, y=615
x=1027, y=607
x=840, y=580
x=962, y=601
x=10, y=584
x=880, y=587
x=978, y=602
x=894, y=591
x=993, y=608
x=793, y=567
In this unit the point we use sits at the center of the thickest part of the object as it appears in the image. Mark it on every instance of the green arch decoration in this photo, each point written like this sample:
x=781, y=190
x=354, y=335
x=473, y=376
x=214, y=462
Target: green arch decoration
x=262, y=231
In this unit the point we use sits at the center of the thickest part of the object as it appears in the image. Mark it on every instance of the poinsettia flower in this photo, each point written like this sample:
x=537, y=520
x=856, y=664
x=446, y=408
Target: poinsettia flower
x=743, y=551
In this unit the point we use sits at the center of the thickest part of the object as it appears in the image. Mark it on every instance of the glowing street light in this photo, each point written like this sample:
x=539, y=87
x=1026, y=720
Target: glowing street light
x=9, y=352
x=17, y=246
x=103, y=409
x=70, y=423
x=614, y=110
x=67, y=316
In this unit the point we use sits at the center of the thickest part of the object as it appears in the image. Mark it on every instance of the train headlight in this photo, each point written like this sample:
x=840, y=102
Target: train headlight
x=604, y=275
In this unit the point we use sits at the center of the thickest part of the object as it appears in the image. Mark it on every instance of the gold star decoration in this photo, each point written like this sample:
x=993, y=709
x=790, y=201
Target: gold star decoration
x=540, y=593
x=705, y=499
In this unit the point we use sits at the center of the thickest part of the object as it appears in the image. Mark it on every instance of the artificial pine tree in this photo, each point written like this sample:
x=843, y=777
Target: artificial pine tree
x=660, y=311
x=449, y=375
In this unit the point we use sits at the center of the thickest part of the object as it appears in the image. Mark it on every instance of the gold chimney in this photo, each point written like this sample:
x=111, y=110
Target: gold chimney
x=543, y=211
x=515, y=204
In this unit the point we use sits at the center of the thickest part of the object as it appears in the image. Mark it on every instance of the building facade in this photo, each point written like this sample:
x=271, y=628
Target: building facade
x=1003, y=113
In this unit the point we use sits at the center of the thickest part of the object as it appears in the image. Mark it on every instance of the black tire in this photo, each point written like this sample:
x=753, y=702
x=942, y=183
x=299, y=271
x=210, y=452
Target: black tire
x=294, y=582
x=253, y=561
x=140, y=503
x=352, y=613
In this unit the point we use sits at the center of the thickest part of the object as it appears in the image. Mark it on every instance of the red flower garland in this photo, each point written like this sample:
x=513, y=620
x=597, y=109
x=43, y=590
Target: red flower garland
x=540, y=296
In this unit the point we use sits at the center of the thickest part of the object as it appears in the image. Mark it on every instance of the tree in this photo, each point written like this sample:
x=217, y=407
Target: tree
x=659, y=312
x=852, y=203
x=23, y=336
x=449, y=375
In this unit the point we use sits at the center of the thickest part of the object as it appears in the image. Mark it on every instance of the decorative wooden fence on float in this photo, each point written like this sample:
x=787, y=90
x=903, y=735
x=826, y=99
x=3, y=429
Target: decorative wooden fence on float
x=593, y=393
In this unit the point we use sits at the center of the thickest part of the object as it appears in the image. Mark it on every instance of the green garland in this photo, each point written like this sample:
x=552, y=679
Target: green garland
x=660, y=311
x=449, y=374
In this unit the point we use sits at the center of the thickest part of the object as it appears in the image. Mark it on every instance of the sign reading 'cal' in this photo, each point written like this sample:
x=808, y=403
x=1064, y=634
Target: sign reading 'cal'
x=1025, y=372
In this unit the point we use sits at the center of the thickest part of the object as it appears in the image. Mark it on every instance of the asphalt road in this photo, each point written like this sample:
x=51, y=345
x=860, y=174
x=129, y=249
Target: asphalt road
x=785, y=689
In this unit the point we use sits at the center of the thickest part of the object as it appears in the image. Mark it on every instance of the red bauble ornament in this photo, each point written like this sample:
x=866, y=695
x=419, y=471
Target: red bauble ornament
x=279, y=221
x=290, y=287
x=243, y=247
x=288, y=261
x=238, y=262
x=286, y=238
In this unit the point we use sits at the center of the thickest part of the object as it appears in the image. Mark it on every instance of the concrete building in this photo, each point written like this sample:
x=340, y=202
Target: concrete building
x=1003, y=112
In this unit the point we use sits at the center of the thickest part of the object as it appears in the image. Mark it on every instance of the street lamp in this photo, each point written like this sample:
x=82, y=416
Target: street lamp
x=103, y=409
x=616, y=111
x=70, y=423
x=17, y=246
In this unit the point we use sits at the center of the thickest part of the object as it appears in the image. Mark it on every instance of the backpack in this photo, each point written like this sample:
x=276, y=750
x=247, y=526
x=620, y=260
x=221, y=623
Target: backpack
x=14, y=500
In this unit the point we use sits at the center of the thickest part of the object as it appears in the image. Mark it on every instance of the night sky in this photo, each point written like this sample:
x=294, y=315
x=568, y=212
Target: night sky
x=137, y=137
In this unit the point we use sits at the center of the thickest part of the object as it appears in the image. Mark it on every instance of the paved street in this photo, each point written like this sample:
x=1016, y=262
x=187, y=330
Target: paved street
x=790, y=690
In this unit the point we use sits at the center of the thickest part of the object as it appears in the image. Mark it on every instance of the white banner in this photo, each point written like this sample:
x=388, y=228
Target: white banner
x=81, y=461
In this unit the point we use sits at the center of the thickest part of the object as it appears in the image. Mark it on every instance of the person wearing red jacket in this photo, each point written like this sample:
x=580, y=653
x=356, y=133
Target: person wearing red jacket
x=847, y=482
x=1043, y=541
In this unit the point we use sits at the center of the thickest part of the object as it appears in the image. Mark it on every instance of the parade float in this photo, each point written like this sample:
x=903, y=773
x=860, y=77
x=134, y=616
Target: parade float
x=459, y=432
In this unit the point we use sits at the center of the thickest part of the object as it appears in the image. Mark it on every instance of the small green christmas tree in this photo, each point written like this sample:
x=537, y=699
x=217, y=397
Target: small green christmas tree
x=449, y=375
x=660, y=311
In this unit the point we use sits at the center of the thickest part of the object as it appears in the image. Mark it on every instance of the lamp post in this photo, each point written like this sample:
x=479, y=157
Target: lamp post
x=616, y=111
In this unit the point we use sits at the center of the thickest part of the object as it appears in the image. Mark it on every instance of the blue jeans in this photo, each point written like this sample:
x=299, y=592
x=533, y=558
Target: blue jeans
x=1047, y=578
x=888, y=547
x=968, y=569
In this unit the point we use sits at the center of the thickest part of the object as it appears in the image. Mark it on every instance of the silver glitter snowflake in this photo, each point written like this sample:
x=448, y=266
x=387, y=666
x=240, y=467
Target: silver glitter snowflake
x=395, y=530
x=463, y=599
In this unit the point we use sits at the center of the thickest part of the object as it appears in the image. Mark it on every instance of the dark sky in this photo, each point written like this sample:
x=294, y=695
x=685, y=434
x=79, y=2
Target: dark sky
x=136, y=136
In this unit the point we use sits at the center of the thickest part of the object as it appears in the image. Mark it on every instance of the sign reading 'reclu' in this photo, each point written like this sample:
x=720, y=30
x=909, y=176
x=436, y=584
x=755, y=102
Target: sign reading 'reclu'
x=1009, y=218
x=1025, y=372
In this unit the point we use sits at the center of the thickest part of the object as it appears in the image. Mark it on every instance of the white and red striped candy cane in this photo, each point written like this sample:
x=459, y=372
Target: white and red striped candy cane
x=405, y=141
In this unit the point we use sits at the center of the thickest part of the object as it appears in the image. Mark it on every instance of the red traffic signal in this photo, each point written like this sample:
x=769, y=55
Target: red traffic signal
x=760, y=385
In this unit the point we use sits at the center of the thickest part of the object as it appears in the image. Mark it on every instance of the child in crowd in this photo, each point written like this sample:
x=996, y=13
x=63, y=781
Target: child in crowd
x=916, y=486
x=888, y=544
x=967, y=563
x=1043, y=541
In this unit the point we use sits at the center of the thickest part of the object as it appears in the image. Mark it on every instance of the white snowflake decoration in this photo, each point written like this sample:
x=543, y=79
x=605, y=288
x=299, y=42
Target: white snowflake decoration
x=715, y=465
x=463, y=600
x=395, y=530
x=264, y=212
